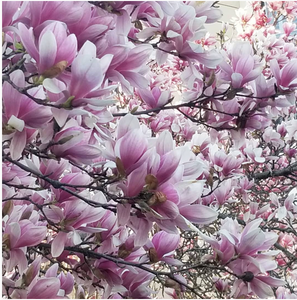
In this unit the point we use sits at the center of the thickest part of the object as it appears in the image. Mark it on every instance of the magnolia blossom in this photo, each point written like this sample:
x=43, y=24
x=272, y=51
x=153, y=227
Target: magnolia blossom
x=54, y=51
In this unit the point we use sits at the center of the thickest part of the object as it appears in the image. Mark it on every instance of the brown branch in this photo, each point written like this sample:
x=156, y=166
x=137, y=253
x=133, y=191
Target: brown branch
x=276, y=173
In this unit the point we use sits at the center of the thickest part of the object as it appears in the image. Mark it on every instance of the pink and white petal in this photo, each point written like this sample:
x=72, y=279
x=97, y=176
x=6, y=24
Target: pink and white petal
x=9, y=8
x=131, y=147
x=17, y=145
x=141, y=235
x=11, y=97
x=58, y=244
x=92, y=32
x=165, y=243
x=168, y=164
x=261, y=289
x=167, y=209
x=210, y=59
x=251, y=226
x=136, y=59
x=274, y=67
x=147, y=97
x=47, y=51
x=164, y=143
x=45, y=288
x=86, y=75
x=135, y=79
x=236, y=80
x=17, y=258
x=199, y=214
x=105, y=62
x=31, y=234
x=167, y=225
x=136, y=181
x=123, y=23
x=123, y=213
x=127, y=123
x=60, y=115
x=172, y=261
x=272, y=281
x=67, y=50
x=52, y=271
x=163, y=99
x=28, y=38
x=14, y=231
x=251, y=241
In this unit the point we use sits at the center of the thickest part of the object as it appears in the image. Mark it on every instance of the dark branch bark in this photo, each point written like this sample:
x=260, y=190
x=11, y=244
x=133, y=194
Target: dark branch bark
x=276, y=173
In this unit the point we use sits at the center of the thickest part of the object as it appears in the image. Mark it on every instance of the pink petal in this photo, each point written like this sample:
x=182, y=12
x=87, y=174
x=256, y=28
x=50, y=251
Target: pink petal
x=147, y=97
x=47, y=51
x=11, y=97
x=261, y=289
x=27, y=38
x=123, y=213
x=31, y=234
x=45, y=288
x=52, y=271
x=127, y=123
x=135, y=79
x=58, y=244
x=131, y=147
x=67, y=50
x=136, y=181
x=165, y=242
x=251, y=241
x=18, y=143
x=9, y=8
x=167, y=209
x=164, y=143
x=199, y=214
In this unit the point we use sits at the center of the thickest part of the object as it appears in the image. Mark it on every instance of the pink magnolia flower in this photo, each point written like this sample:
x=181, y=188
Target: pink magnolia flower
x=244, y=66
x=162, y=247
x=253, y=239
x=155, y=97
x=52, y=169
x=71, y=179
x=73, y=217
x=131, y=70
x=255, y=154
x=90, y=25
x=21, y=115
x=87, y=73
x=288, y=28
x=137, y=284
x=17, y=236
x=286, y=77
x=251, y=281
x=54, y=50
x=72, y=143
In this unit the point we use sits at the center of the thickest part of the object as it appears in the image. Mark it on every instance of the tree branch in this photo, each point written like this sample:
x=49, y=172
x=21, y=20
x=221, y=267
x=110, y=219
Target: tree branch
x=276, y=173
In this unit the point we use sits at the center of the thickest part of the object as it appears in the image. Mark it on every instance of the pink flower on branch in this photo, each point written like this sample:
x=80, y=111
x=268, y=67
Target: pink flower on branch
x=54, y=50
x=244, y=65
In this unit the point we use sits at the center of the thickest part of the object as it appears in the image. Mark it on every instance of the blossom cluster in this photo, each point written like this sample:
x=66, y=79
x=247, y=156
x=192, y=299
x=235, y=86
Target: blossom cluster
x=127, y=130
